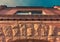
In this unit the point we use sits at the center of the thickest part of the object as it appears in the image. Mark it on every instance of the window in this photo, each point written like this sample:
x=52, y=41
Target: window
x=36, y=12
x=23, y=13
x=28, y=12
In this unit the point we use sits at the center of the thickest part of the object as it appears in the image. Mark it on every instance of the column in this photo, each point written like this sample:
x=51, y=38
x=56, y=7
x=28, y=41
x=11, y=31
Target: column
x=2, y=36
x=8, y=33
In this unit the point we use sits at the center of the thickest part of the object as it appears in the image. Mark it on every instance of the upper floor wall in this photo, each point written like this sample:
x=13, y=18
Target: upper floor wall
x=20, y=10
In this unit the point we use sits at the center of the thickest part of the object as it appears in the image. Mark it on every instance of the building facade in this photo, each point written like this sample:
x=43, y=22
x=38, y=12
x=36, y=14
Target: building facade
x=29, y=23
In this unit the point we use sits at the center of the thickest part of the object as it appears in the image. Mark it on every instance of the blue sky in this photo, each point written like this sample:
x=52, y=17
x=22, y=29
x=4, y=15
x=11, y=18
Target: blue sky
x=45, y=3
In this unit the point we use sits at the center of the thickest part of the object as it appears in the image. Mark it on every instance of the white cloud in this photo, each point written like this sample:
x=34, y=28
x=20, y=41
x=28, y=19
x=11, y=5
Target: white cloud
x=7, y=2
x=14, y=2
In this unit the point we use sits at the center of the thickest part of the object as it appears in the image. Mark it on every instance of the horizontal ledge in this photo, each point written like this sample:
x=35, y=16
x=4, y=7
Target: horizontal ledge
x=31, y=17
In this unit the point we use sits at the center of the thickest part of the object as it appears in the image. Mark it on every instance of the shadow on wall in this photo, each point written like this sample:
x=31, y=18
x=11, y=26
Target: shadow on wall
x=29, y=40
